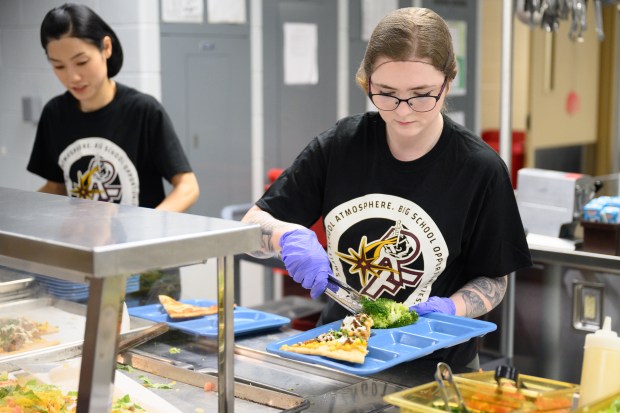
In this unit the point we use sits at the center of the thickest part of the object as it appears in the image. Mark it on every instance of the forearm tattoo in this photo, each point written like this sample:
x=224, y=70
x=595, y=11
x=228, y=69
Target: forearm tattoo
x=267, y=225
x=483, y=294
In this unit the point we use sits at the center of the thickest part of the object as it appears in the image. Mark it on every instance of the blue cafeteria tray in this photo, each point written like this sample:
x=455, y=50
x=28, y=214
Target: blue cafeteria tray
x=389, y=347
x=246, y=320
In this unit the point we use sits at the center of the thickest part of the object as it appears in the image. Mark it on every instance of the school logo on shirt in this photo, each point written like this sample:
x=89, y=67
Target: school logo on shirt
x=99, y=169
x=382, y=244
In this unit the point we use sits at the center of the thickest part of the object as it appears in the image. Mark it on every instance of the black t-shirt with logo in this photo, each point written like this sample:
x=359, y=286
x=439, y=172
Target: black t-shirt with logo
x=404, y=230
x=120, y=153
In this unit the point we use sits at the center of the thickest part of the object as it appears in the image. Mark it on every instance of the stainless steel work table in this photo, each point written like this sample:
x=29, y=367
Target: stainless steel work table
x=102, y=243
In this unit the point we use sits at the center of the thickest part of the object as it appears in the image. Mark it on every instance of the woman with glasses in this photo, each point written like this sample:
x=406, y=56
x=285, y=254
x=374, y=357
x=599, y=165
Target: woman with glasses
x=102, y=140
x=416, y=208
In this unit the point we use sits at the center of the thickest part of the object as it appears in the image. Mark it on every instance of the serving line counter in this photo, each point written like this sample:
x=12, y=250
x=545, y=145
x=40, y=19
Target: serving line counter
x=280, y=384
x=102, y=244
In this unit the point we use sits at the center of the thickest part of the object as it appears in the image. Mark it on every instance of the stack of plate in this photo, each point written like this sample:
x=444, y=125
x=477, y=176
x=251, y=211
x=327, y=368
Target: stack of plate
x=76, y=291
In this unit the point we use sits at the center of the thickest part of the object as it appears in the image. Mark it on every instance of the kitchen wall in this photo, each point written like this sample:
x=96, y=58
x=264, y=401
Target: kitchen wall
x=25, y=72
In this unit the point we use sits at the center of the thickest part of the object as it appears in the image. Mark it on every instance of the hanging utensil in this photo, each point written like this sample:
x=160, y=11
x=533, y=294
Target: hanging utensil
x=449, y=393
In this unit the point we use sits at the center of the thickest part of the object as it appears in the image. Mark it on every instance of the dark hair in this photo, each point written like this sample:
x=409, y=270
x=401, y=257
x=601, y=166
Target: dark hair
x=79, y=21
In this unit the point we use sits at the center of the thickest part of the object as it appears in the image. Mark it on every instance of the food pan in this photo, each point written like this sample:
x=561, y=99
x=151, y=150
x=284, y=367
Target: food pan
x=477, y=397
x=547, y=394
x=14, y=283
x=534, y=384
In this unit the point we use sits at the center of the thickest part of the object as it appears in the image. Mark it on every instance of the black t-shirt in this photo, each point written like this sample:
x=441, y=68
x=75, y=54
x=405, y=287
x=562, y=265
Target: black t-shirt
x=120, y=153
x=404, y=230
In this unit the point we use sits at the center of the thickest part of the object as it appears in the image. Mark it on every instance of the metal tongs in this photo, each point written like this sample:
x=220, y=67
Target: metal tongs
x=344, y=295
x=451, y=392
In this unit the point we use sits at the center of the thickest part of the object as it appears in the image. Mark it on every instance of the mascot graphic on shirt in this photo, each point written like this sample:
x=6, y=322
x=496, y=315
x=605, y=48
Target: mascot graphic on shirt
x=399, y=254
x=98, y=169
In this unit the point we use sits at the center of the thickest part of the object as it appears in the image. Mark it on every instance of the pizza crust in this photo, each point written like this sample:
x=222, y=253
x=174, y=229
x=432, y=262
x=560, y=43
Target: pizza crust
x=177, y=309
x=350, y=343
x=355, y=354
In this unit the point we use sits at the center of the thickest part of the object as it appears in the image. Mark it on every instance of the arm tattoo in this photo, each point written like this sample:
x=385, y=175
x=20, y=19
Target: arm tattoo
x=483, y=294
x=267, y=224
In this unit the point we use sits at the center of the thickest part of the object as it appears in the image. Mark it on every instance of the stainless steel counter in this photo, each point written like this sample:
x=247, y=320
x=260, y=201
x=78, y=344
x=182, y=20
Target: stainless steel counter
x=102, y=243
x=324, y=389
x=575, y=258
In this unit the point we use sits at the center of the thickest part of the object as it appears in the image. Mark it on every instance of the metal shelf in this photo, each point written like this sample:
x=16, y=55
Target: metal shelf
x=102, y=243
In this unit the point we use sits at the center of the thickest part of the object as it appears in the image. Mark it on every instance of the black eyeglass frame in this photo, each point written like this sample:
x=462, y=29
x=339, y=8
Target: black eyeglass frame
x=370, y=95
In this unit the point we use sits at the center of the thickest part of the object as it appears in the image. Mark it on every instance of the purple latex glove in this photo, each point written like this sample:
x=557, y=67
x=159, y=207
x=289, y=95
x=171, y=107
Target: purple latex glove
x=306, y=260
x=435, y=305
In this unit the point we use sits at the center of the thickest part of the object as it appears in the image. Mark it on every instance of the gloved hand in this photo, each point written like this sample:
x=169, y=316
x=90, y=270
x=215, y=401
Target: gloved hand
x=306, y=260
x=435, y=305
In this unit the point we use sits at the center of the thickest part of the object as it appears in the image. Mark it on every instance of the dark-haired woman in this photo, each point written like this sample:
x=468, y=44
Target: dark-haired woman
x=102, y=140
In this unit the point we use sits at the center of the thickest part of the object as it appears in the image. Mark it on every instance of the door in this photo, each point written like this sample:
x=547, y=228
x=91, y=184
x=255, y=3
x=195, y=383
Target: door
x=206, y=89
x=294, y=114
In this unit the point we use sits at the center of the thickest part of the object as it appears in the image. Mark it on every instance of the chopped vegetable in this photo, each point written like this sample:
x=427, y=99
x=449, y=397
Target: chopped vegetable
x=208, y=386
x=124, y=404
x=174, y=350
x=387, y=313
x=148, y=383
x=124, y=367
x=614, y=407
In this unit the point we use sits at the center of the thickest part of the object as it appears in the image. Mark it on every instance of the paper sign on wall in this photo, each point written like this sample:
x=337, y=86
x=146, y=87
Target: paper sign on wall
x=182, y=11
x=301, y=54
x=226, y=11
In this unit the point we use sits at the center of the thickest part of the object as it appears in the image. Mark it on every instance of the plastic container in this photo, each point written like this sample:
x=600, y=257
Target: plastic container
x=477, y=396
x=535, y=385
x=600, y=372
x=601, y=238
x=547, y=395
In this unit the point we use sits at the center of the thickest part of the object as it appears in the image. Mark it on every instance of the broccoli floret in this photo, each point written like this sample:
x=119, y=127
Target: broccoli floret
x=387, y=313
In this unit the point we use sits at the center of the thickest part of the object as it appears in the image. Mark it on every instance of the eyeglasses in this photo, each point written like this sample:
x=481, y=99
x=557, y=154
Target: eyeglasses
x=424, y=103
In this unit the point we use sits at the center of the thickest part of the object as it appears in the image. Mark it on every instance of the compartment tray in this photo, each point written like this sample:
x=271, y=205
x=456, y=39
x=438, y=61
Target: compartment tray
x=389, y=347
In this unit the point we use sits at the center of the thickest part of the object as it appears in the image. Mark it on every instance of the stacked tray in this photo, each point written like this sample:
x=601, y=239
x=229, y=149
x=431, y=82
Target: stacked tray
x=67, y=290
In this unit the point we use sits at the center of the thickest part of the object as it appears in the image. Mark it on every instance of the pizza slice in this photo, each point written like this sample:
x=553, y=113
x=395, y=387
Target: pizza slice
x=349, y=343
x=177, y=309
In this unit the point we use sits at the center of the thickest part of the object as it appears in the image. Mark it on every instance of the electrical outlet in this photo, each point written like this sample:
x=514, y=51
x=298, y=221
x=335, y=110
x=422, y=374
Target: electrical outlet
x=588, y=305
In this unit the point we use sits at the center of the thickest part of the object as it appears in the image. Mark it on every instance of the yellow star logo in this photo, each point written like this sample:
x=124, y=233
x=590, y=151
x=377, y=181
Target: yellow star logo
x=363, y=261
x=84, y=187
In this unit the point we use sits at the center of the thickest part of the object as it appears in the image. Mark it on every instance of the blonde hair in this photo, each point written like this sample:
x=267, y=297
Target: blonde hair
x=407, y=34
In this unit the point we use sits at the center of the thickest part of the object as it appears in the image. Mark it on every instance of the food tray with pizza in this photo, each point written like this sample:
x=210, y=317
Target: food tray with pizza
x=245, y=320
x=389, y=347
